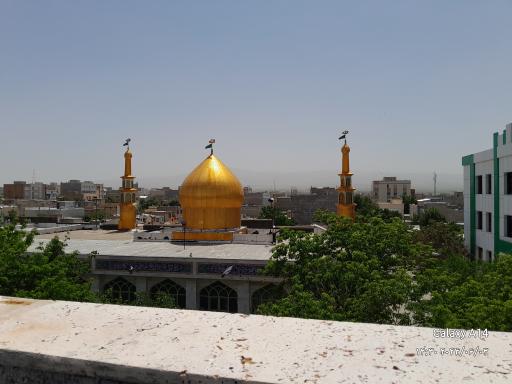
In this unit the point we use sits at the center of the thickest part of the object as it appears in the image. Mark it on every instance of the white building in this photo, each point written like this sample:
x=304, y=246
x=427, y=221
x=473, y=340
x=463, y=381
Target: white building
x=390, y=188
x=88, y=187
x=488, y=198
x=195, y=274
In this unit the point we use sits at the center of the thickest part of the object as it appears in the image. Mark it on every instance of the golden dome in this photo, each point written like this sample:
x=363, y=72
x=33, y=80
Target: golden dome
x=211, y=196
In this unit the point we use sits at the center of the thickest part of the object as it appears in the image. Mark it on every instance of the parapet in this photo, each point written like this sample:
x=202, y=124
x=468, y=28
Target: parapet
x=61, y=342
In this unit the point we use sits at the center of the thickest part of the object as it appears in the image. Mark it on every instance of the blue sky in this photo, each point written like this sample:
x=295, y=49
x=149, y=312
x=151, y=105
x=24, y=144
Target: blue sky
x=418, y=84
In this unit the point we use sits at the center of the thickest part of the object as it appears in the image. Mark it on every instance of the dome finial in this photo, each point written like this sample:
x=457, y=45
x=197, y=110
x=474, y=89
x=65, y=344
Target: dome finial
x=343, y=136
x=127, y=143
x=210, y=145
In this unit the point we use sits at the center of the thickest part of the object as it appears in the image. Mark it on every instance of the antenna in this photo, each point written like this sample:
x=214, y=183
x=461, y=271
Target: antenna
x=435, y=184
x=33, y=182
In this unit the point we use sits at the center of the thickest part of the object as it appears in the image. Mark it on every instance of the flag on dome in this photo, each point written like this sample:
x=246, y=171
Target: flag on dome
x=210, y=145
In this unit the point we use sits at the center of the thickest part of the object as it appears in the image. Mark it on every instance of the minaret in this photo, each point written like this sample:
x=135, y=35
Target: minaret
x=128, y=212
x=346, y=206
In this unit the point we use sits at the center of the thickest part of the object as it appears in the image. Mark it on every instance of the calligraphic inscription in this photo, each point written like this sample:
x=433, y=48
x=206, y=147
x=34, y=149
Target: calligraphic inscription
x=143, y=266
x=237, y=270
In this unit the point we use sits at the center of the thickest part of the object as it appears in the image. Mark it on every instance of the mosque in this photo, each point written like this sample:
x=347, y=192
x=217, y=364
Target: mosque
x=210, y=262
x=211, y=198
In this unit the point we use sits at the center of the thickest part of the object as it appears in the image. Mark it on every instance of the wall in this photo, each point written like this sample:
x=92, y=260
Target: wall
x=63, y=342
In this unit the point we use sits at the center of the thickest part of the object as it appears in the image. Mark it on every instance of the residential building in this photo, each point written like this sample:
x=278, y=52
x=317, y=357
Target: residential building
x=37, y=191
x=488, y=198
x=254, y=198
x=389, y=188
x=394, y=205
x=72, y=190
x=87, y=187
x=164, y=193
x=52, y=191
x=302, y=207
x=15, y=190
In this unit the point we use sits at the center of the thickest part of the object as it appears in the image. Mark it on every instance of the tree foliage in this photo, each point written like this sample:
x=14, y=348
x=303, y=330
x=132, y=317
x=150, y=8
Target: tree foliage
x=51, y=273
x=381, y=271
x=459, y=293
x=429, y=216
x=353, y=271
x=277, y=215
x=48, y=273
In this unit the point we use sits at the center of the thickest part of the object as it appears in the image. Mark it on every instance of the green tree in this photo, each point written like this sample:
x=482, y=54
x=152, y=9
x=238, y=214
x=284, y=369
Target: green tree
x=47, y=273
x=277, y=215
x=353, y=271
x=408, y=200
x=445, y=238
x=365, y=206
x=459, y=293
x=51, y=273
x=144, y=204
x=429, y=216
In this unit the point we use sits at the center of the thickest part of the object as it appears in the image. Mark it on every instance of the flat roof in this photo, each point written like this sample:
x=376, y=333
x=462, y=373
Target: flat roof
x=91, y=234
x=130, y=248
x=155, y=345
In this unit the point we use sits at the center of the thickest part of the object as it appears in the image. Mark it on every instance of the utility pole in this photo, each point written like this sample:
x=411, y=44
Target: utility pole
x=435, y=184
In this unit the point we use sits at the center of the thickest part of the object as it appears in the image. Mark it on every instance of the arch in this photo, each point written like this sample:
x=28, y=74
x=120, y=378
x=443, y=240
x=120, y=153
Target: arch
x=264, y=294
x=169, y=287
x=121, y=290
x=218, y=297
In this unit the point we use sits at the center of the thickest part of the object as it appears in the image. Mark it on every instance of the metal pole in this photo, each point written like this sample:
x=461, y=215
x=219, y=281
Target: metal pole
x=183, y=223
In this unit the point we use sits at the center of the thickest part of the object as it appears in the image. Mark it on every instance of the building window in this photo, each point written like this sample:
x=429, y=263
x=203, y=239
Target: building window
x=218, y=297
x=169, y=287
x=480, y=253
x=508, y=183
x=489, y=221
x=479, y=185
x=489, y=256
x=265, y=294
x=120, y=290
x=488, y=184
x=508, y=226
x=479, y=220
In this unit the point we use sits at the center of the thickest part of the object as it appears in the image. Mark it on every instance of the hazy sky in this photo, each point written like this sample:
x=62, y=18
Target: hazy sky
x=417, y=83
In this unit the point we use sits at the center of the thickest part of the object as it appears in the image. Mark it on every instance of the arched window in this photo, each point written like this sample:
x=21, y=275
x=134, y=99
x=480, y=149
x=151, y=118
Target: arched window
x=264, y=295
x=121, y=290
x=218, y=297
x=341, y=198
x=169, y=287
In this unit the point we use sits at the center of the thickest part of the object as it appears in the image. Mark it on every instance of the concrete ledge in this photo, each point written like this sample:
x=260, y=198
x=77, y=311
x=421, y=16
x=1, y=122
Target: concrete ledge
x=60, y=342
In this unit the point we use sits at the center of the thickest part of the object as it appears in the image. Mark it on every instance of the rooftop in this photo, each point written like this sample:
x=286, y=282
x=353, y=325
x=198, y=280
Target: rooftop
x=153, y=345
x=114, y=243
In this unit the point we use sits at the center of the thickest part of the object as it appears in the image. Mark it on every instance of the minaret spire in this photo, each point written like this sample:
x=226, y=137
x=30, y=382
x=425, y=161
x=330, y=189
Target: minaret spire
x=345, y=206
x=127, y=218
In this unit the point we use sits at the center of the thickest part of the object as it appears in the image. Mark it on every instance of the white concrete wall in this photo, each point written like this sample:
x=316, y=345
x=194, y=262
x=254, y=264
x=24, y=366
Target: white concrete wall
x=467, y=194
x=88, y=343
x=484, y=204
